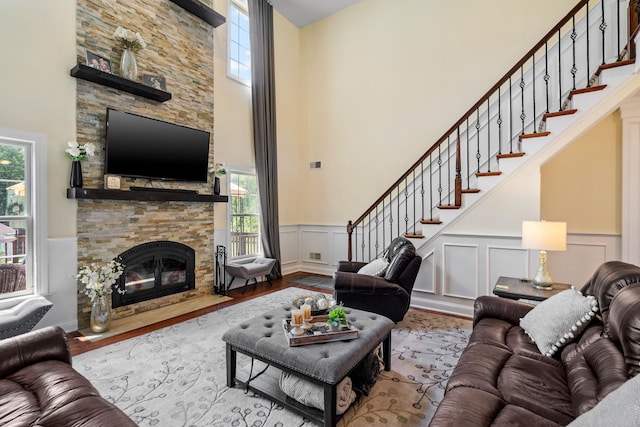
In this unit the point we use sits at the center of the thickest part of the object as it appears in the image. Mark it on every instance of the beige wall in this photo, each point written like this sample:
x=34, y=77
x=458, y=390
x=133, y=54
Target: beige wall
x=38, y=45
x=364, y=91
x=290, y=105
x=384, y=80
x=588, y=197
x=233, y=126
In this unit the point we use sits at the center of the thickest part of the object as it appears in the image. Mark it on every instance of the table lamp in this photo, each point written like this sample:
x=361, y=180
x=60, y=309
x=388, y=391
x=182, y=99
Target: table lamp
x=545, y=236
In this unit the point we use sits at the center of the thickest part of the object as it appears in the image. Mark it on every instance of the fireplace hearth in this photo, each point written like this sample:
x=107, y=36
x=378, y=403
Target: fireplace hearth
x=153, y=270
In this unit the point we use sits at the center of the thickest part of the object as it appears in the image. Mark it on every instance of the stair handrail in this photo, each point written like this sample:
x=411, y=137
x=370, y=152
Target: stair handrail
x=545, y=39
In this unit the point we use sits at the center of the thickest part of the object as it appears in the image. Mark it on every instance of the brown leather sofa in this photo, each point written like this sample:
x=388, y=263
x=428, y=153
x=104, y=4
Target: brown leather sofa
x=502, y=379
x=38, y=386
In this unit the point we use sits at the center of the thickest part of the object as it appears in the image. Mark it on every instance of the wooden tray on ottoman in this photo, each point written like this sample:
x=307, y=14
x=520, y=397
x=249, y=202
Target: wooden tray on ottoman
x=345, y=333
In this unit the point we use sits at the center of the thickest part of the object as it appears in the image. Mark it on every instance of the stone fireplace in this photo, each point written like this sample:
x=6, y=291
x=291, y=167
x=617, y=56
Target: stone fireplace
x=180, y=49
x=108, y=228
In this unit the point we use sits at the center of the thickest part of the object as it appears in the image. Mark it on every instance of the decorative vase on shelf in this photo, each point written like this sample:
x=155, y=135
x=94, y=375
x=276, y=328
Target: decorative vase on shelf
x=75, y=181
x=216, y=186
x=100, y=314
x=128, y=65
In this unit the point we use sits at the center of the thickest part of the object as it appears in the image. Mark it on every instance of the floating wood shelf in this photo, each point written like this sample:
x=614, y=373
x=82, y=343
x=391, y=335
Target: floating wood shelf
x=202, y=11
x=87, y=73
x=149, y=195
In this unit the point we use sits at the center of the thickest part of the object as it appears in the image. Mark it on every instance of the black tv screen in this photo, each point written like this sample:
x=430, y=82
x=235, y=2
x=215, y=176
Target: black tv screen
x=142, y=147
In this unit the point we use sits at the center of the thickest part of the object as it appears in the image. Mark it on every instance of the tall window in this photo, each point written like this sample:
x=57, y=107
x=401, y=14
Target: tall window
x=239, y=50
x=244, y=211
x=21, y=240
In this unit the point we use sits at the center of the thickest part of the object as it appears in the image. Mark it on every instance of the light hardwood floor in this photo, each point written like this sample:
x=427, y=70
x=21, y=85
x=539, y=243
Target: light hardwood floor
x=84, y=340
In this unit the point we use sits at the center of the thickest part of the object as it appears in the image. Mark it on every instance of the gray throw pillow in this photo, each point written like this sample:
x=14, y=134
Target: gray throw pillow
x=377, y=267
x=556, y=321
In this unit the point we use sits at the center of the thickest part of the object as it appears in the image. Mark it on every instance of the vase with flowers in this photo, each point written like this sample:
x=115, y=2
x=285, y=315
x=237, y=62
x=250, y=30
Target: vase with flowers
x=77, y=152
x=131, y=42
x=98, y=281
x=218, y=170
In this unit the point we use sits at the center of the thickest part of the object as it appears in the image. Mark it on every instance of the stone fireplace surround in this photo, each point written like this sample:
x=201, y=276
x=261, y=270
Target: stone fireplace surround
x=107, y=228
x=179, y=48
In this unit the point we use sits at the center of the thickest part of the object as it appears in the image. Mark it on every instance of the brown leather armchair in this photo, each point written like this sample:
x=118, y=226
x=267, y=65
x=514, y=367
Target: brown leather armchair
x=388, y=294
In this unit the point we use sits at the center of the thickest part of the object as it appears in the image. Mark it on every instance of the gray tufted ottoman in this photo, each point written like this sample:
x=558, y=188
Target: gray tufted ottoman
x=262, y=338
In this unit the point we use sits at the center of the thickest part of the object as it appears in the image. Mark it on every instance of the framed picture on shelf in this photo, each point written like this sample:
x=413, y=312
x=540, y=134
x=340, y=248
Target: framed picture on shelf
x=156, y=82
x=98, y=62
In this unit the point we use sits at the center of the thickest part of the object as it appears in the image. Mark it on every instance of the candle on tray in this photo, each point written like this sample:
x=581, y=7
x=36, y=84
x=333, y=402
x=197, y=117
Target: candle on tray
x=306, y=311
x=296, y=317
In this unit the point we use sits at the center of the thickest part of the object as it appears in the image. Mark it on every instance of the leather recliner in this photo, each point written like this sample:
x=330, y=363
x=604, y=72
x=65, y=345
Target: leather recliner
x=388, y=295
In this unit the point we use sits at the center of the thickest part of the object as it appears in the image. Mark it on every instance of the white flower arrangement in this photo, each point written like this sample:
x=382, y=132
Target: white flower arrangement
x=128, y=39
x=218, y=169
x=98, y=279
x=78, y=152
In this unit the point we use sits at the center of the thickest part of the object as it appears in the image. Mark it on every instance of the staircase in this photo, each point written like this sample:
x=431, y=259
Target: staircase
x=579, y=72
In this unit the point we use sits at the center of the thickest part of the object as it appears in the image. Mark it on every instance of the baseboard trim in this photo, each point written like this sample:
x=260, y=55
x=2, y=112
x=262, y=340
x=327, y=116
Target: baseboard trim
x=442, y=306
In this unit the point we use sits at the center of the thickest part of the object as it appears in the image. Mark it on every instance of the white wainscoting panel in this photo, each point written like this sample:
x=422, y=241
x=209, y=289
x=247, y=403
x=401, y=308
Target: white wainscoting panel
x=583, y=255
x=317, y=242
x=63, y=288
x=455, y=269
x=339, y=252
x=460, y=268
x=505, y=261
x=426, y=280
x=289, y=248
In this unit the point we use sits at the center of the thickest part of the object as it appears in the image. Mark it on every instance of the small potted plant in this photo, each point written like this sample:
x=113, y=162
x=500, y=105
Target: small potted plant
x=337, y=318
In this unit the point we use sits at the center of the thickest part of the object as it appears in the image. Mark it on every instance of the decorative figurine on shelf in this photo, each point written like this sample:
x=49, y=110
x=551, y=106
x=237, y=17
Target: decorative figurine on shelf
x=76, y=153
x=131, y=42
x=218, y=170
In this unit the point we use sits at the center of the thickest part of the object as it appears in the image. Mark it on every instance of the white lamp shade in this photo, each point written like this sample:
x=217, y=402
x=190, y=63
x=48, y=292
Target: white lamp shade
x=544, y=235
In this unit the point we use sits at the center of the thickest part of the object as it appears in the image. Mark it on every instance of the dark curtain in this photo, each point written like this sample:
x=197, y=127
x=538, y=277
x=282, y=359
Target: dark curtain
x=263, y=93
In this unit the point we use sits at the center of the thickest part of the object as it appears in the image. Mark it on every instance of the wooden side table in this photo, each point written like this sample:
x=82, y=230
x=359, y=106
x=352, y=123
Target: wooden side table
x=512, y=288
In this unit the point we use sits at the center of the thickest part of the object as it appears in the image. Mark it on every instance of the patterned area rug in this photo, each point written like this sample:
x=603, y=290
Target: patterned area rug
x=176, y=376
x=320, y=282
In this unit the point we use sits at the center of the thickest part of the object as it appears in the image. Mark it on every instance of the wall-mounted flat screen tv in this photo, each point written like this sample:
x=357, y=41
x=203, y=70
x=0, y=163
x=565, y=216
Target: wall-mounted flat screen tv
x=141, y=147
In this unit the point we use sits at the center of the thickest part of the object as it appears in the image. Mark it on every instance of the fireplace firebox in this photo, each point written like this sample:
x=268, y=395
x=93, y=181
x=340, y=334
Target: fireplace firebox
x=153, y=270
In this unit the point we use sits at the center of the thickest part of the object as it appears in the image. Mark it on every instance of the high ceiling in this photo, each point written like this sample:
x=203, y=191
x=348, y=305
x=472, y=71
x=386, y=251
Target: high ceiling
x=305, y=12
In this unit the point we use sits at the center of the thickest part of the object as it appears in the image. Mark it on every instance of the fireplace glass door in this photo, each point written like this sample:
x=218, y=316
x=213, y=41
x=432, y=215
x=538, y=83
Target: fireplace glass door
x=153, y=270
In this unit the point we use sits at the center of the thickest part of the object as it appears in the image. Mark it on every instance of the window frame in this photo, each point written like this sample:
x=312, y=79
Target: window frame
x=242, y=8
x=35, y=209
x=242, y=171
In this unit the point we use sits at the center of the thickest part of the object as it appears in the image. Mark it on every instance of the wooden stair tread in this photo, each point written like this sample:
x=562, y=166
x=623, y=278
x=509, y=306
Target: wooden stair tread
x=510, y=155
x=448, y=207
x=479, y=174
x=559, y=113
x=470, y=190
x=533, y=135
x=586, y=90
x=621, y=63
x=414, y=236
x=430, y=221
